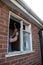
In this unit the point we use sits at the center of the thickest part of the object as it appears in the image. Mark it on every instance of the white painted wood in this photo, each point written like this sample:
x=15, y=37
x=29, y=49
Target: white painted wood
x=30, y=37
x=42, y=33
x=23, y=9
x=21, y=36
x=28, y=29
x=18, y=53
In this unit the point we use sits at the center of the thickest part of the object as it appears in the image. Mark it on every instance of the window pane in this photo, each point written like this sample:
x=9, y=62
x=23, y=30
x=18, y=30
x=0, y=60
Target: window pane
x=26, y=41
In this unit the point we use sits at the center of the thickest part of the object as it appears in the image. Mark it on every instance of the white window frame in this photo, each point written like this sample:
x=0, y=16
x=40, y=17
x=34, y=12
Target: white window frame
x=21, y=36
x=42, y=33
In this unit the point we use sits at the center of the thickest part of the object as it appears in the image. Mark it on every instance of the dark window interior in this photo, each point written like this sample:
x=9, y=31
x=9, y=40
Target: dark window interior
x=23, y=27
x=15, y=46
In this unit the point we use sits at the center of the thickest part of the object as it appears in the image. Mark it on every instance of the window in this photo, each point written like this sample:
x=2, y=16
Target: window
x=26, y=37
x=20, y=37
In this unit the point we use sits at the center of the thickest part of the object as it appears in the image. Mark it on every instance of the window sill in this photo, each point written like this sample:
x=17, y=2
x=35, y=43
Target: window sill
x=10, y=54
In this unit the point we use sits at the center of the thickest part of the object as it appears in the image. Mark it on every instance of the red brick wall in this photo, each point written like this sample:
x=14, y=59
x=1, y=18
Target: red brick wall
x=27, y=59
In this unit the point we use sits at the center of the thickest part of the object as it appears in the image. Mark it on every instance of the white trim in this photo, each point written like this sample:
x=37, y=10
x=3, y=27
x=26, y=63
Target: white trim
x=14, y=4
x=21, y=29
x=30, y=37
x=8, y=31
x=19, y=6
x=30, y=33
x=42, y=34
x=21, y=36
x=18, y=17
x=18, y=53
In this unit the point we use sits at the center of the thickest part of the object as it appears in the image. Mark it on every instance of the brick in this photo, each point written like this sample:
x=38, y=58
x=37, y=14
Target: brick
x=18, y=64
x=14, y=62
x=0, y=46
x=5, y=63
x=2, y=61
x=3, y=50
x=4, y=46
x=26, y=59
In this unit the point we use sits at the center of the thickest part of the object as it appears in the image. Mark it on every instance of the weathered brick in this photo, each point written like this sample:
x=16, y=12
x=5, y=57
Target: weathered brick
x=5, y=63
x=26, y=59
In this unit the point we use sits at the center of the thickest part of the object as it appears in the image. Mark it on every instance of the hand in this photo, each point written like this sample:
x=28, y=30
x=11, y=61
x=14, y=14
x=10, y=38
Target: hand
x=17, y=33
x=13, y=39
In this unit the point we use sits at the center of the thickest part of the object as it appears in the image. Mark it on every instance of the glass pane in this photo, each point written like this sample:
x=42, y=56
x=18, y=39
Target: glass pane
x=26, y=41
